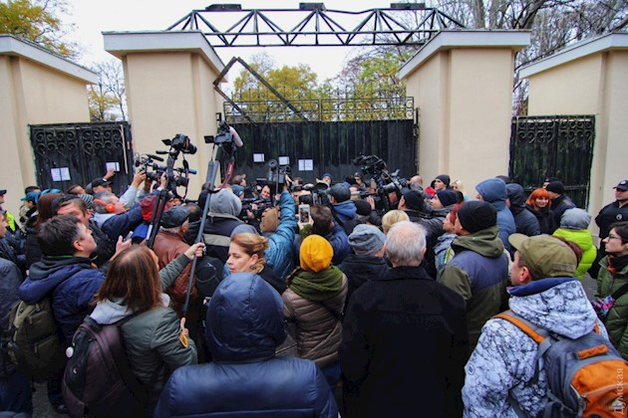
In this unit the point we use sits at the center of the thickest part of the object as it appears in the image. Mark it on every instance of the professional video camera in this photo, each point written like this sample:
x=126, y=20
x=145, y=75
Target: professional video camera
x=180, y=143
x=147, y=163
x=386, y=183
x=319, y=194
x=277, y=172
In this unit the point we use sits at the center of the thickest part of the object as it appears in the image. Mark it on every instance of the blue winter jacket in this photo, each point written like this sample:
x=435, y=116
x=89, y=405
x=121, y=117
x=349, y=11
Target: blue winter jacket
x=279, y=255
x=494, y=192
x=72, y=281
x=244, y=328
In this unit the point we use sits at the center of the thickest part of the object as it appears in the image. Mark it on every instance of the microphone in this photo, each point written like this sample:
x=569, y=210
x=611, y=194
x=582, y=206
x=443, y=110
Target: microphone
x=154, y=157
x=236, y=138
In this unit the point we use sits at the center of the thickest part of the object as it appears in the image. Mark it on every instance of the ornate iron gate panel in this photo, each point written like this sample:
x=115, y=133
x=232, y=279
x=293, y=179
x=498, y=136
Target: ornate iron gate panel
x=73, y=153
x=556, y=146
x=330, y=146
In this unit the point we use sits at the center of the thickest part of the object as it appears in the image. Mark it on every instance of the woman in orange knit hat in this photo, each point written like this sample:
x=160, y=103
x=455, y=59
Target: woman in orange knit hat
x=314, y=301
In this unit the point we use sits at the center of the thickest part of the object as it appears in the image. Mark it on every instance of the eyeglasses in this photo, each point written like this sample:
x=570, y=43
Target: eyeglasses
x=611, y=236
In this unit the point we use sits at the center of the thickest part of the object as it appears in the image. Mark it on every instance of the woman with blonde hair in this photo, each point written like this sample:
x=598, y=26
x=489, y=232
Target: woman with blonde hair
x=392, y=217
x=155, y=340
x=247, y=253
x=539, y=204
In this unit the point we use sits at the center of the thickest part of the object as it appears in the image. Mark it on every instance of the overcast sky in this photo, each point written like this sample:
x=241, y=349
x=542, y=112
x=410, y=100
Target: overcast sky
x=91, y=17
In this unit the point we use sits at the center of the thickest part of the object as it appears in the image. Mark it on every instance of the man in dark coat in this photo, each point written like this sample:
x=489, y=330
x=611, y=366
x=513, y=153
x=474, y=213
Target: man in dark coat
x=404, y=341
x=222, y=219
x=560, y=201
x=616, y=211
x=525, y=221
x=368, y=263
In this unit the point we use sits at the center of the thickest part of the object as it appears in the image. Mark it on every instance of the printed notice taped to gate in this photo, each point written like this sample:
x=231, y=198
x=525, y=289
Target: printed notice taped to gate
x=60, y=174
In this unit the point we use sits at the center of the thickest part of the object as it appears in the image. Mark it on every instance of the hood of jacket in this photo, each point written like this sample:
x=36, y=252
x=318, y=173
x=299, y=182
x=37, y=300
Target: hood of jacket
x=244, y=319
x=225, y=201
x=517, y=197
x=110, y=311
x=494, y=192
x=485, y=242
x=45, y=275
x=346, y=210
x=575, y=218
x=558, y=304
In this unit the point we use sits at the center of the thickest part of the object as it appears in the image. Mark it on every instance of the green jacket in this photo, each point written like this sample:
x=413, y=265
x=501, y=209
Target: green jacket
x=479, y=273
x=617, y=320
x=583, y=238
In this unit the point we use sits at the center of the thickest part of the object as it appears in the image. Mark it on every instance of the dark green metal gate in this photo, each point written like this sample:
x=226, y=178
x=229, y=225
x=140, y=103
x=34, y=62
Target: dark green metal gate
x=553, y=146
x=75, y=153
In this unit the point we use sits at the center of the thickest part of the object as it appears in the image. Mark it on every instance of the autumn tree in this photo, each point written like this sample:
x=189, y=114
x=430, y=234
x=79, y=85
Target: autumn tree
x=37, y=21
x=107, y=99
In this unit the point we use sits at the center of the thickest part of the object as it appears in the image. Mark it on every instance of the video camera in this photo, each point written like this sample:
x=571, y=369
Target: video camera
x=319, y=194
x=180, y=143
x=386, y=182
x=277, y=172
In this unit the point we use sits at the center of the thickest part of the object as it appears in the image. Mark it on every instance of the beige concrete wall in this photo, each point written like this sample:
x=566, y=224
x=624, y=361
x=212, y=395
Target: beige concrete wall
x=462, y=84
x=562, y=88
x=36, y=87
x=590, y=77
x=170, y=91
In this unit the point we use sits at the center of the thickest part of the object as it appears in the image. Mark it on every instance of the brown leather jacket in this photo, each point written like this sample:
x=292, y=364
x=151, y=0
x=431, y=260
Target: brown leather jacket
x=169, y=246
x=318, y=326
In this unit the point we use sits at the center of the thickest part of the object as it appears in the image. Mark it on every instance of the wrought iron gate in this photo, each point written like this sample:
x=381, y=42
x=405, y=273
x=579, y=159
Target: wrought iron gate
x=76, y=153
x=553, y=146
x=329, y=139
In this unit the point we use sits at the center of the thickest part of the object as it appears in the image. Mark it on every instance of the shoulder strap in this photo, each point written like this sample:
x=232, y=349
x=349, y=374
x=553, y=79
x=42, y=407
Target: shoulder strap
x=337, y=315
x=620, y=292
x=540, y=335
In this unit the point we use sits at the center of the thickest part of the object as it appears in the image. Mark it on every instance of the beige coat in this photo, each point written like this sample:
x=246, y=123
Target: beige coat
x=317, y=330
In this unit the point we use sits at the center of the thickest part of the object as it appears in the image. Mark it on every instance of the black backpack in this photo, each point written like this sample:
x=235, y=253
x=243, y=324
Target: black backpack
x=98, y=380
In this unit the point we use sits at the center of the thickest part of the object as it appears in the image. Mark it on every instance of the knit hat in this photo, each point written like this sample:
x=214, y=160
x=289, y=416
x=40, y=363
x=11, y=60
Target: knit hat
x=174, y=217
x=244, y=228
x=366, y=239
x=475, y=216
x=363, y=208
x=88, y=199
x=444, y=178
x=237, y=189
x=315, y=253
x=414, y=200
x=327, y=175
x=447, y=197
x=556, y=187
x=146, y=206
x=340, y=192
x=575, y=218
x=545, y=255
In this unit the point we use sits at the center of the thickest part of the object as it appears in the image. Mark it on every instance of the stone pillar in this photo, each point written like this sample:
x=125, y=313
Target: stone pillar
x=462, y=85
x=169, y=84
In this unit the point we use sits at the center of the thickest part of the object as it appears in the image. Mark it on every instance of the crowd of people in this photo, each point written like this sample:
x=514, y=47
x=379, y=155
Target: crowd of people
x=390, y=312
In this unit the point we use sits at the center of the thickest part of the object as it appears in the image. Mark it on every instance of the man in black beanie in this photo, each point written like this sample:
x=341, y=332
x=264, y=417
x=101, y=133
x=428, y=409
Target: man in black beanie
x=560, y=201
x=479, y=270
